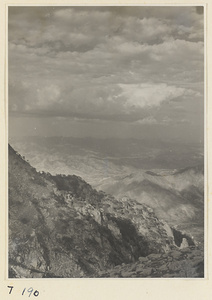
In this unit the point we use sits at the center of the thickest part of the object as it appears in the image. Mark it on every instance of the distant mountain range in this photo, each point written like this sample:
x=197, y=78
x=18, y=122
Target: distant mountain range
x=59, y=226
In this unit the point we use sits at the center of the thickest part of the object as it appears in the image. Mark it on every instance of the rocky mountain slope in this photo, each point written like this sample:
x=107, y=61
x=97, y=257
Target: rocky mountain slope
x=59, y=226
x=186, y=262
x=175, y=196
x=117, y=166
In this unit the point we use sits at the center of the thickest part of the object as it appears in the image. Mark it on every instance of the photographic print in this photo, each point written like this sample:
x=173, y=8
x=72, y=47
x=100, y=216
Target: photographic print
x=106, y=142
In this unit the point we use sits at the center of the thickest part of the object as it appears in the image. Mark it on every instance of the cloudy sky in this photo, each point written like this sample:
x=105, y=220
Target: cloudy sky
x=106, y=72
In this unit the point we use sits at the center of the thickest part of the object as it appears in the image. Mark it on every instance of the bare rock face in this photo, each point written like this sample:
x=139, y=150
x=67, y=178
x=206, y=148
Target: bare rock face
x=59, y=226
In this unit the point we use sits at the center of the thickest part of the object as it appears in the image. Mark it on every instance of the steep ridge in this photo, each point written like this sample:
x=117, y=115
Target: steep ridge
x=59, y=226
x=177, y=197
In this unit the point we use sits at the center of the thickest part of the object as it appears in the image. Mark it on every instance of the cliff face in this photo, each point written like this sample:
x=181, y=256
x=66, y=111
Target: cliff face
x=59, y=226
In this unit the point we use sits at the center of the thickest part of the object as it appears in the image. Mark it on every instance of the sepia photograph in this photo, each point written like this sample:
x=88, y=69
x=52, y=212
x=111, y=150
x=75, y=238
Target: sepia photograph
x=106, y=142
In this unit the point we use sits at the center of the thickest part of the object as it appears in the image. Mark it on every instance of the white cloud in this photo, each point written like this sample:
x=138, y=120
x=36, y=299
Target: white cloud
x=149, y=95
x=148, y=120
x=48, y=95
x=104, y=62
x=166, y=120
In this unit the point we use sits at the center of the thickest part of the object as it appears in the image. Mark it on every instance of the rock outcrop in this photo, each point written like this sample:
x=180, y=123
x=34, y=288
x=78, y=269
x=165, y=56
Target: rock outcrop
x=178, y=263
